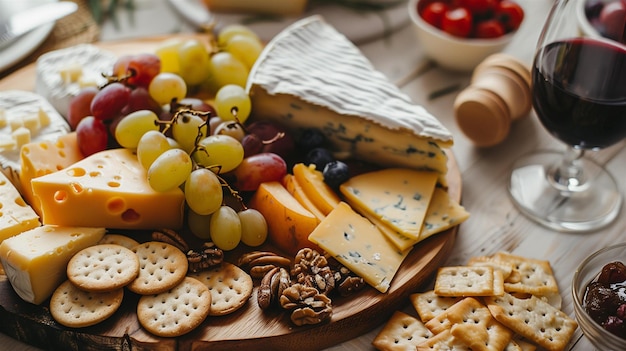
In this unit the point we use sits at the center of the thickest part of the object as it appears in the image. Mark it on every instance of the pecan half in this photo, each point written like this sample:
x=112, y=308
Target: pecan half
x=272, y=286
x=258, y=263
x=201, y=259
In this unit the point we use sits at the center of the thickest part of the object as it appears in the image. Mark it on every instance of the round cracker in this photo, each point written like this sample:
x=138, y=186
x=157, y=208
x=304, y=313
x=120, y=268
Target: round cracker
x=119, y=239
x=230, y=287
x=76, y=308
x=177, y=311
x=161, y=267
x=103, y=267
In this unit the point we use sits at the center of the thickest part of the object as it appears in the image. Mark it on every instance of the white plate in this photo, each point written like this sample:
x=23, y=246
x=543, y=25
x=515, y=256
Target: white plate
x=359, y=25
x=30, y=41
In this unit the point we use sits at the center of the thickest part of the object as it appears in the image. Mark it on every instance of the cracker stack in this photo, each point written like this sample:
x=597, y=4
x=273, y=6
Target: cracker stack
x=494, y=303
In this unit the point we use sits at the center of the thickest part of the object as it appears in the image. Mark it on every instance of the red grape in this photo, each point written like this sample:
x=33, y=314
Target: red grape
x=142, y=68
x=109, y=101
x=140, y=99
x=80, y=106
x=274, y=142
x=92, y=135
x=259, y=168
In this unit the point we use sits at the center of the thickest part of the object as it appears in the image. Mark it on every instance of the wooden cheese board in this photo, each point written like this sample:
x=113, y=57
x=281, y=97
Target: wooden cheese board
x=248, y=328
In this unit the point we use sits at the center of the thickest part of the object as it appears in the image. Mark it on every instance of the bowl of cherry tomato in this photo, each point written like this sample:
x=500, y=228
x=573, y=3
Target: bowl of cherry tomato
x=603, y=18
x=459, y=34
x=598, y=286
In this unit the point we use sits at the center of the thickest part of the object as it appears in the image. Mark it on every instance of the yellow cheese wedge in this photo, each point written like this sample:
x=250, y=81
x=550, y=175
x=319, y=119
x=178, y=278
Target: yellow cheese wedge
x=313, y=185
x=35, y=261
x=398, y=197
x=289, y=223
x=359, y=245
x=293, y=187
x=107, y=189
x=15, y=215
x=45, y=157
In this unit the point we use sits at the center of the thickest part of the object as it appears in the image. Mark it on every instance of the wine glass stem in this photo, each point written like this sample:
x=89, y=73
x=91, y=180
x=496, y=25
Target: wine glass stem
x=568, y=174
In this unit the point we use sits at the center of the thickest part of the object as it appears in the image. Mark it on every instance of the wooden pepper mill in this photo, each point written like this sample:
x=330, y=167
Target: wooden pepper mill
x=499, y=93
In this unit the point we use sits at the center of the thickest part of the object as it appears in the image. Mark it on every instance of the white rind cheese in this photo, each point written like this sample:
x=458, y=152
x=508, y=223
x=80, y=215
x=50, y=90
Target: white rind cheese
x=310, y=75
x=53, y=70
x=26, y=109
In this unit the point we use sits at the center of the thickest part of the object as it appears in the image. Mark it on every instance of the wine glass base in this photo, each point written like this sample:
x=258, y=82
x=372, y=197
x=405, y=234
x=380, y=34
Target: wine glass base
x=580, y=209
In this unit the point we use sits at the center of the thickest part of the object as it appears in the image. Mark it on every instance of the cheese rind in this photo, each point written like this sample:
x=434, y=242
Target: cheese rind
x=107, y=189
x=15, y=215
x=398, y=197
x=359, y=245
x=35, y=261
x=311, y=76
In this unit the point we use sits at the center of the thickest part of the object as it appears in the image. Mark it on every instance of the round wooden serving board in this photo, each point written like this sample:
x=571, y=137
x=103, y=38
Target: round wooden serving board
x=249, y=328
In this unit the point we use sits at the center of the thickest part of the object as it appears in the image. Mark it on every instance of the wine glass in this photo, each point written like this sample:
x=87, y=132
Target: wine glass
x=579, y=95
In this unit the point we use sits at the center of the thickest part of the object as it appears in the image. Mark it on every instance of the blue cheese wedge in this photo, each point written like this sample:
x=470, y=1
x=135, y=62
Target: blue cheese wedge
x=28, y=118
x=61, y=74
x=358, y=244
x=311, y=76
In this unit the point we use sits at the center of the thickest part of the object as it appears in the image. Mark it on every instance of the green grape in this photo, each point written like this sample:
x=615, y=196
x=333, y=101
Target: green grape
x=245, y=48
x=231, y=30
x=166, y=86
x=199, y=225
x=173, y=143
x=227, y=69
x=225, y=228
x=167, y=52
x=194, y=62
x=253, y=227
x=230, y=128
x=151, y=145
x=219, y=150
x=232, y=103
x=133, y=126
x=203, y=191
x=185, y=130
x=169, y=170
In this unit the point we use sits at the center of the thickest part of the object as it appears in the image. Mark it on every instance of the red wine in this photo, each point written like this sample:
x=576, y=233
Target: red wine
x=580, y=92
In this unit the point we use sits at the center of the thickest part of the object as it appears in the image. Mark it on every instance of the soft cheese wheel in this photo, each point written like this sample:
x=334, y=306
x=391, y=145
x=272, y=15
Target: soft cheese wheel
x=35, y=261
x=311, y=76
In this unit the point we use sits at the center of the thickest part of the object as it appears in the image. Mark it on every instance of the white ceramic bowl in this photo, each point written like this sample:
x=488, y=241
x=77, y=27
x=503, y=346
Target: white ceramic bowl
x=588, y=270
x=451, y=52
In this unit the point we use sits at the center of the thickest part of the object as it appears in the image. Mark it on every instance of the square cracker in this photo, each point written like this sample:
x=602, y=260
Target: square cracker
x=534, y=319
x=505, y=267
x=531, y=276
x=443, y=341
x=464, y=281
x=429, y=305
x=402, y=332
x=473, y=324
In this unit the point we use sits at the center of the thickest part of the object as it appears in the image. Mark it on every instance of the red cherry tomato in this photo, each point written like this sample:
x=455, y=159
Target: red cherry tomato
x=489, y=29
x=510, y=14
x=457, y=22
x=479, y=7
x=433, y=13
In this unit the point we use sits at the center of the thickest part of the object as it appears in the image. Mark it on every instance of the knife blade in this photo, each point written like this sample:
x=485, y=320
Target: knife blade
x=27, y=20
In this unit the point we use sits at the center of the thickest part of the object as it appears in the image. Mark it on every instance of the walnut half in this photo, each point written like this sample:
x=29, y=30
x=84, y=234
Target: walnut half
x=307, y=304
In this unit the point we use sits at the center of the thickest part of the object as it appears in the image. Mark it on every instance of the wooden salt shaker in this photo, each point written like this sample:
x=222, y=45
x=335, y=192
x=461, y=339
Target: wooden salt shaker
x=499, y=93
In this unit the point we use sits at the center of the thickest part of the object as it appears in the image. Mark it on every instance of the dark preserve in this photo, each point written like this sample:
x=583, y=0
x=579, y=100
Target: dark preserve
x=580, y=91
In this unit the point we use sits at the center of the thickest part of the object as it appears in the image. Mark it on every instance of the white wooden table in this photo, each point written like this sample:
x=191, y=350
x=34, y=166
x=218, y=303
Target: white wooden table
x=495, y=224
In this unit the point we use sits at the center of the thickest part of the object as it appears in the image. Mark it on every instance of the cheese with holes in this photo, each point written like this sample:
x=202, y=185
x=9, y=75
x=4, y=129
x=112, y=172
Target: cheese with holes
x=15, y=214
x=398, y=197
x=311, y=76
x=45, y=157
x=36, y=119
x=35, y=261
x=358, y=244
x=62, y=73
x=107, y=189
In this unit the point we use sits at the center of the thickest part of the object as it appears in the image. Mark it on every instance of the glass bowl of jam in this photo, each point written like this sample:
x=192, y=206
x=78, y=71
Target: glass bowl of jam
x=599, y=291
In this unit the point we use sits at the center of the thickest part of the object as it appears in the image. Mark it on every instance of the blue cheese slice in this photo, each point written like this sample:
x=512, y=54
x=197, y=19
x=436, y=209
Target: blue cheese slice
x=61, y=74
x=355, y=242
x=25, y=113
x=311, y=76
